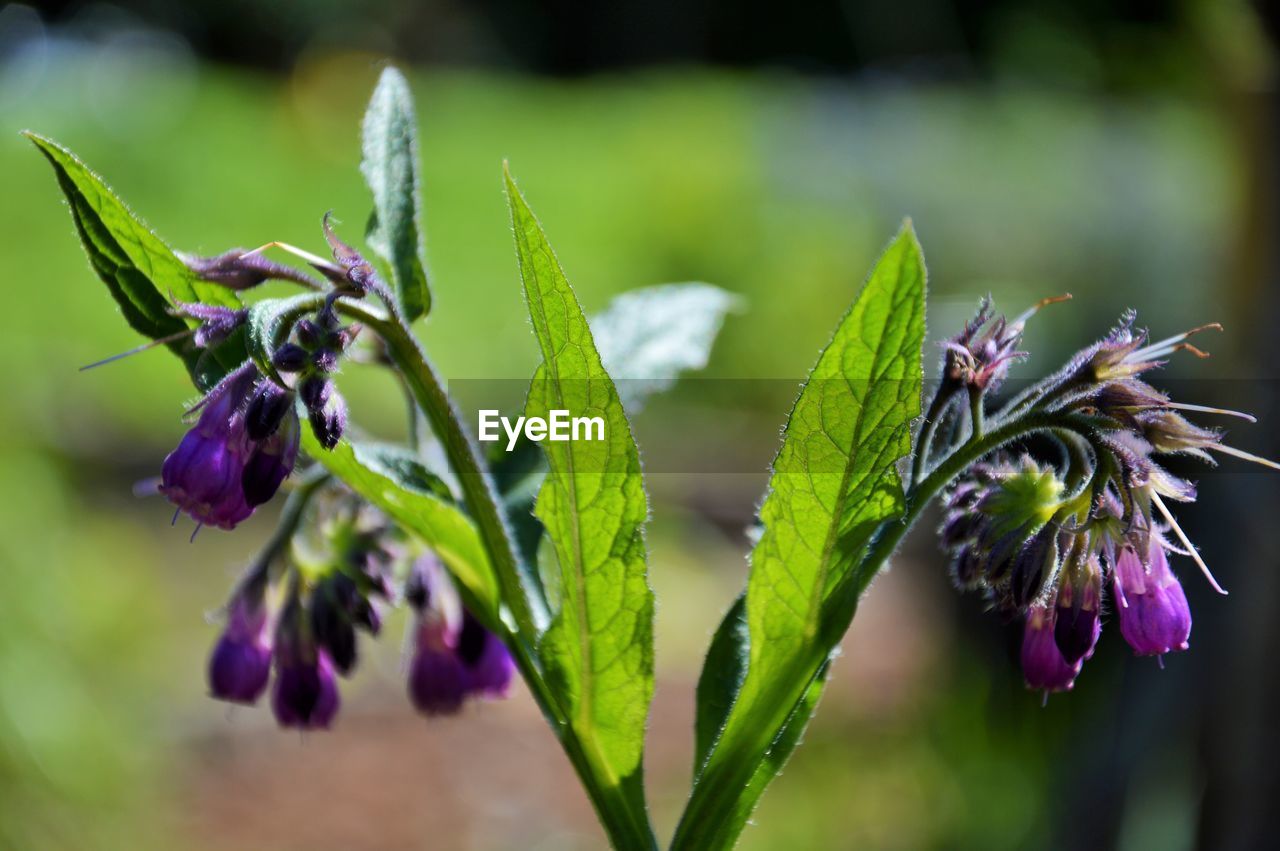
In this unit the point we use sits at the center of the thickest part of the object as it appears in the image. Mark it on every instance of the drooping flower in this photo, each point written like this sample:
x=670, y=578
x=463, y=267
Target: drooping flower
x=241, y=660
x=1043, y=665
x=438, y=680
x=1078, y=615
x=455, y=656
x=305, y=692
x=487, y=660
x=272, y=460
x=203, y=475
x=1152, y=607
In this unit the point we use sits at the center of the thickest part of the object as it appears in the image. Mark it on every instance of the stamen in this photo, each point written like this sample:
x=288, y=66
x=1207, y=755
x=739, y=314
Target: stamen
x=1037, y=307
x=195, y=532
x=177, y=335
x=1186, y=542
x=1159, y=348
x=1247, y=456
x=176, y=512
x=1204, y=409
x=300, y=253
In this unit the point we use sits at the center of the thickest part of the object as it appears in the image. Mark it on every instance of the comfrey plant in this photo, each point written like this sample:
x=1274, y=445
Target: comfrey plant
x=554, y=589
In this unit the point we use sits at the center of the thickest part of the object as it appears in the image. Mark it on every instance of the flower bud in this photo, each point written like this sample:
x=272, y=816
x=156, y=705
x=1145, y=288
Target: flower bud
x=330, y=421
x=240, y=270
x=1154, y=616
x=241, y=660
x=1035, y=563
x=332, y=605
x=1078, y=611
x=315, y=391
x=267, y=407
x=305, y=693
x=271, y=461
x=325, y=359
x=290, y=358
x=1043, y=666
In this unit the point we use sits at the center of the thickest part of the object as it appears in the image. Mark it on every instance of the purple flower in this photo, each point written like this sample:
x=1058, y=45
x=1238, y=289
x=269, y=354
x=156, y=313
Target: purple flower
x=455, y=656
x=241, y=660
x=271, y=460
x=438, y=680
x=305, y=692
x=1078, y=616
x=487, y=660
x=202, y=476
x=1154, y=616
x=1043, y=666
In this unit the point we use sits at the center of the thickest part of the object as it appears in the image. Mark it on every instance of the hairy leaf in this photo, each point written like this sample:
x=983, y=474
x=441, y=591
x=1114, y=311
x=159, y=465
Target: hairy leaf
x=598, y=651
x=412, y=498
x=648, y=337
x=833, y=484
x=390, y=167
x=140, y=271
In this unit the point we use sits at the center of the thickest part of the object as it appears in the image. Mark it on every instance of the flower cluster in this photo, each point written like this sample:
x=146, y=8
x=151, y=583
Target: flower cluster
x=1043, y=540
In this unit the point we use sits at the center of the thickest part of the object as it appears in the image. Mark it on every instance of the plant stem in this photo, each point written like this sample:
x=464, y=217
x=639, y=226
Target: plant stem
x=627, y=828
x=705, y=824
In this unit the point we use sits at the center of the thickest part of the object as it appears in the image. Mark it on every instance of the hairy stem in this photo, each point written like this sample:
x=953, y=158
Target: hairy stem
x=627, y=829
x=704, y=825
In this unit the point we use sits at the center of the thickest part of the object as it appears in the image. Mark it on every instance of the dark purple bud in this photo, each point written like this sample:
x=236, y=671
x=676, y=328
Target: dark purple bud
x=332, y=607
x=438, y=680
x=1078, y=612
x=959, y=527
x=305, y=693
x=346, y=336
x=329, y=422
x=1034, y=563
x=203, y=475
x=267, y=407
x=310, y=335
x=241, y=660
x=1154, y=616
x=315, y=391
x=367, y=616
x=271, y=461
x=1043, y=666
x=325, y=359
x=239, y=270
x=290, y=358
x=486, y=658
x=966, y=569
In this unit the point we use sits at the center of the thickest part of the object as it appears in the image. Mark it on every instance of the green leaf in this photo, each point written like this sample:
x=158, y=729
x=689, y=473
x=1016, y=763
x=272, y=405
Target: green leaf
x=390, y=167
x=411, y=497
x=834, y=483
x=598, y=650
x=140, y=271
x=648, y=337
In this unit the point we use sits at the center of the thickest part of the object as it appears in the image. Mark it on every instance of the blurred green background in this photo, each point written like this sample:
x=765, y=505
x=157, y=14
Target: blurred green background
x=1124, y=153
